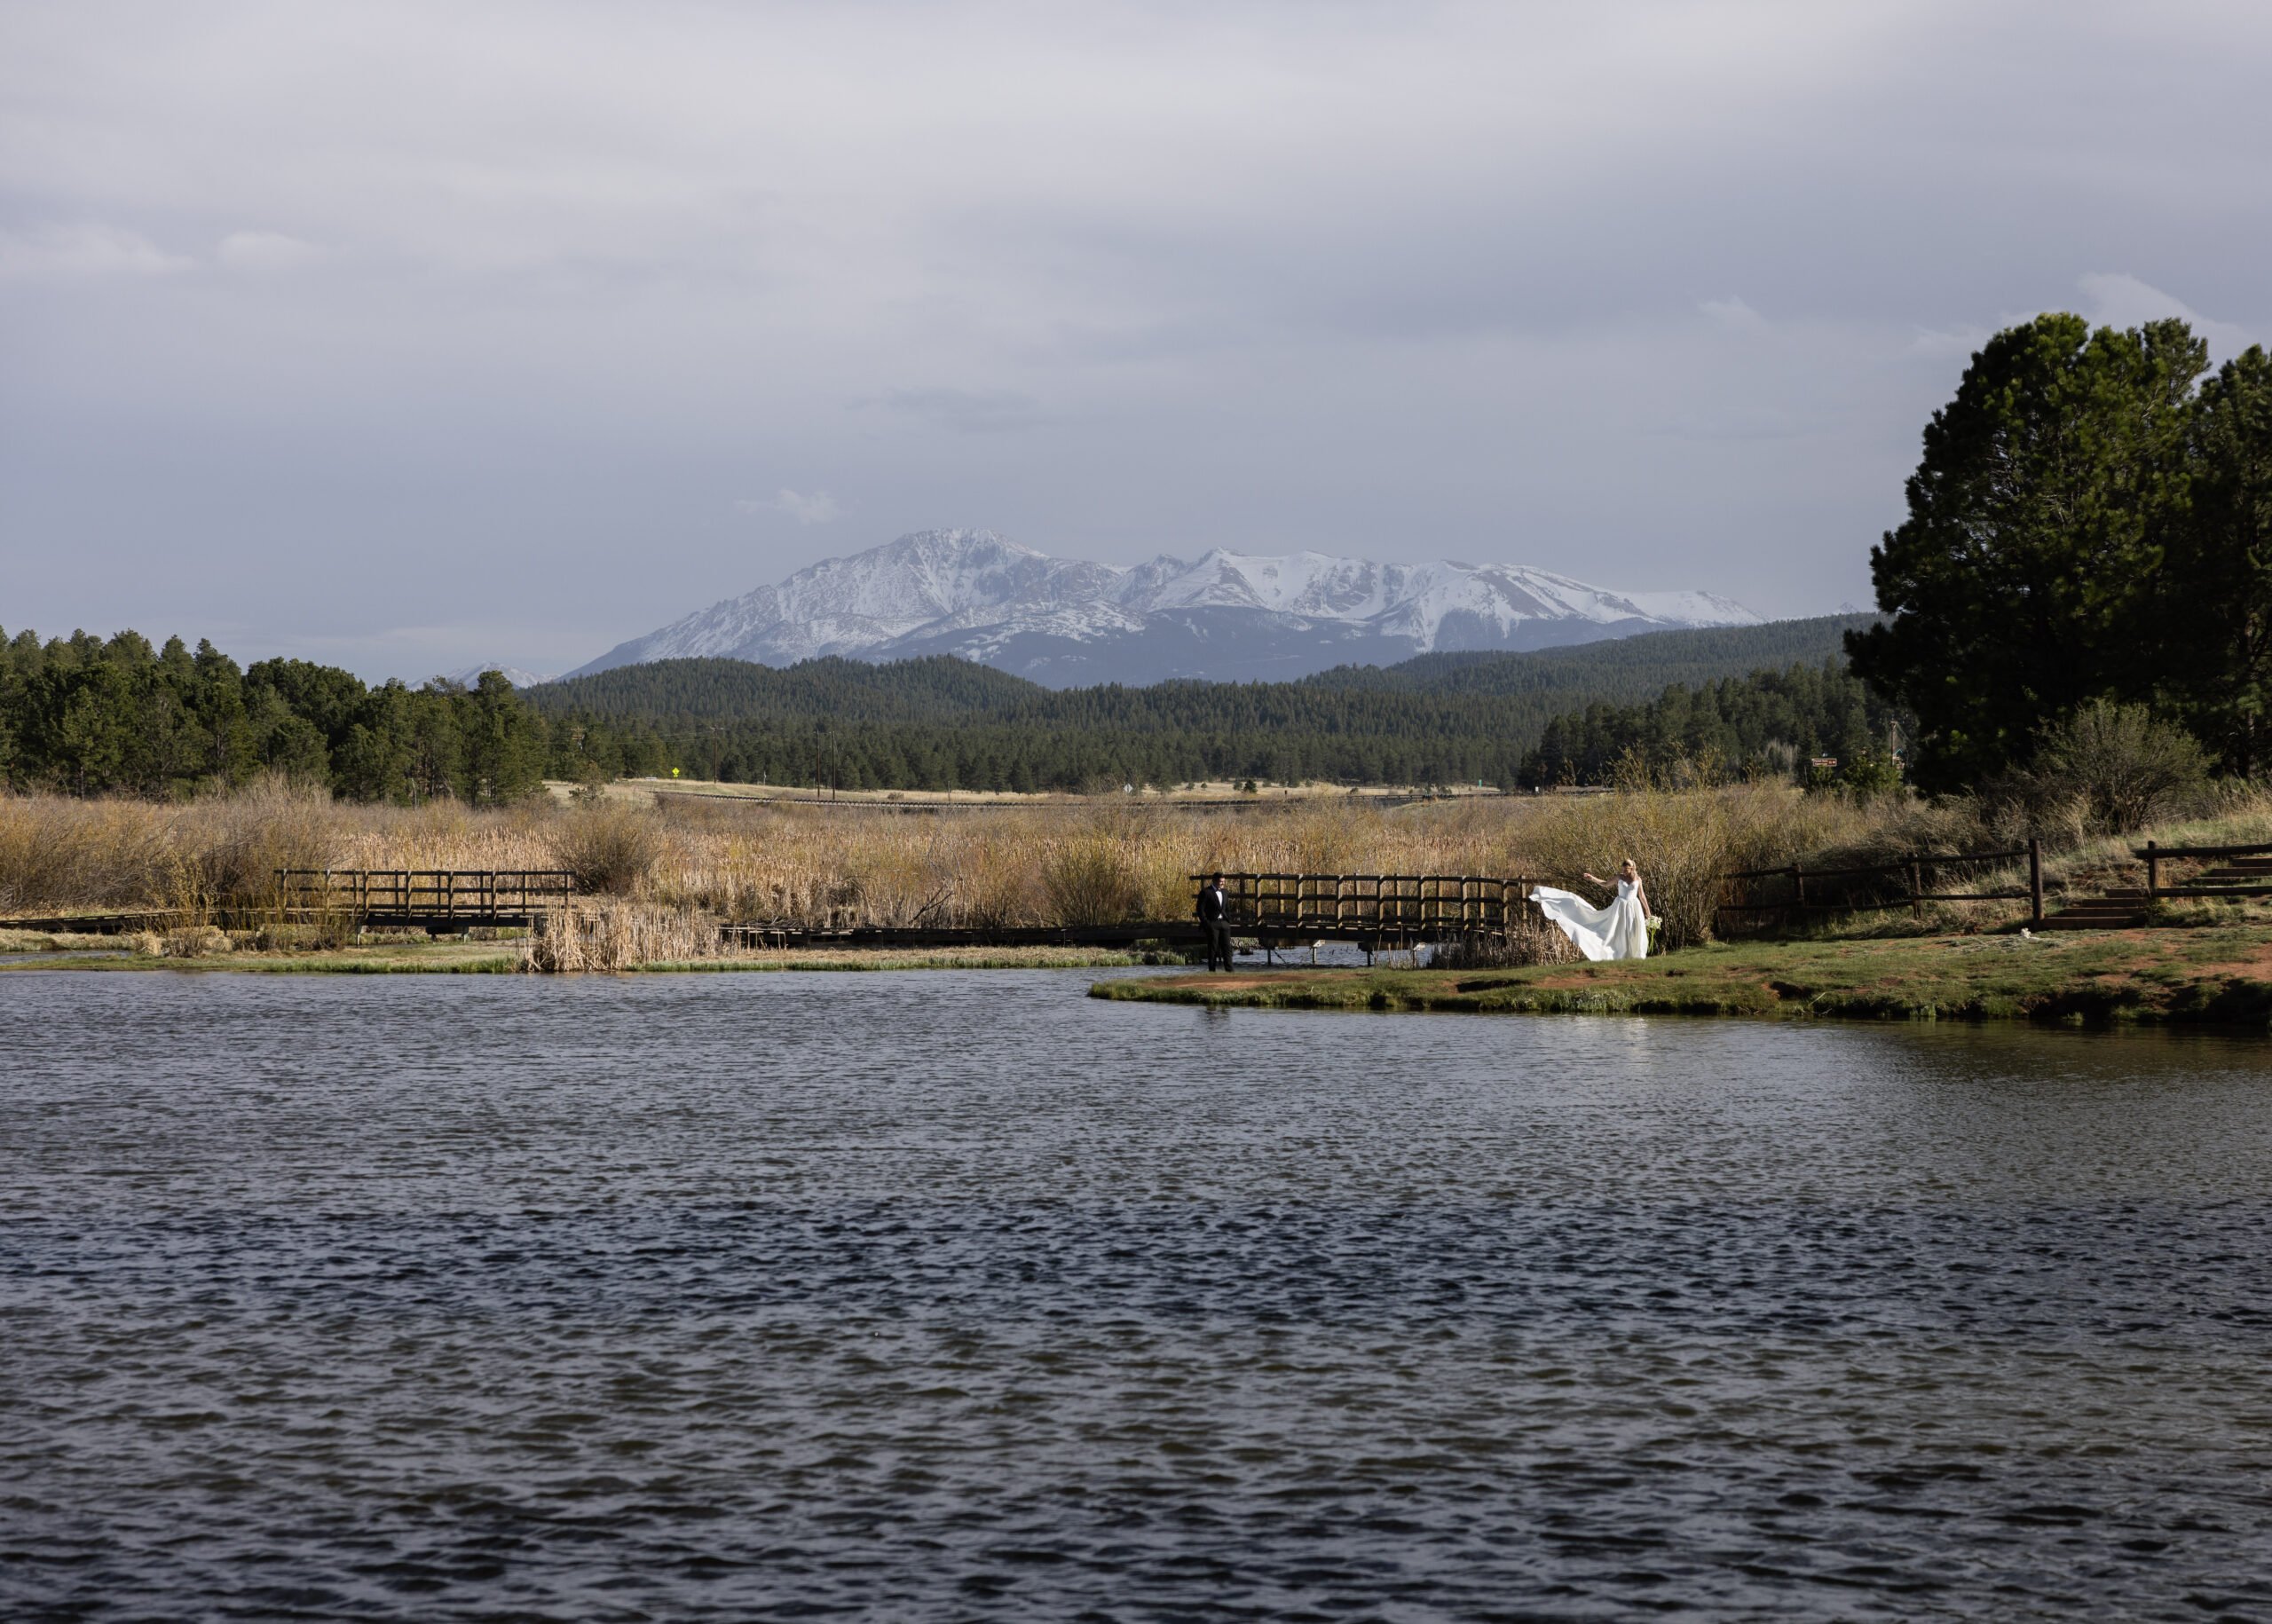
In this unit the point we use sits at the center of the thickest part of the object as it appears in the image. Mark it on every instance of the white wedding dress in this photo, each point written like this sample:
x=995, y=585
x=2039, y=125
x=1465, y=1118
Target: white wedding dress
x=1619, y=931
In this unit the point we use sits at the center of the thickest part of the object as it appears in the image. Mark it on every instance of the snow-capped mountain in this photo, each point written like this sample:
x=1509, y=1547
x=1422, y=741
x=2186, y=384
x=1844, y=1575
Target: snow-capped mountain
x=469, y=674
x=1227, y=616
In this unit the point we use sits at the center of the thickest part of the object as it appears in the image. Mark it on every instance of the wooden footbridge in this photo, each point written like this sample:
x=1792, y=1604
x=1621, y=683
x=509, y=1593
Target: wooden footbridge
x=1396, y=910
x=440, y=899
x=1374, y=911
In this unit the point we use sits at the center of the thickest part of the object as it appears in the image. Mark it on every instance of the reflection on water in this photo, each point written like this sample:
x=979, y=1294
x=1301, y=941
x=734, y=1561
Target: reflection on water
x=961, y=1296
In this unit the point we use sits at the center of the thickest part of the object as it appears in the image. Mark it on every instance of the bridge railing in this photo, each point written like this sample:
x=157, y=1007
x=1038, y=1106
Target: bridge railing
x=476, y=896
x=1392, y=906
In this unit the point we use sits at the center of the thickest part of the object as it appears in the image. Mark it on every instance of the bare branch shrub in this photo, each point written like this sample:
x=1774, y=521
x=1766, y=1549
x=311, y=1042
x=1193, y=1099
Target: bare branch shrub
x=611, y=847
x=1086, y=880
x=230, y=846
x=2118, y=762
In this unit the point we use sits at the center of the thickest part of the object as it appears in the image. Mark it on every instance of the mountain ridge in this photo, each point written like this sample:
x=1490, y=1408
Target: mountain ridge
x=1066, y=622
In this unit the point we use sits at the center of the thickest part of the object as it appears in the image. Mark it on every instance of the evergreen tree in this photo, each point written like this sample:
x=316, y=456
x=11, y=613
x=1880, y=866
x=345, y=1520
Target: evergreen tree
x=2019, y=585
x=2215, y=624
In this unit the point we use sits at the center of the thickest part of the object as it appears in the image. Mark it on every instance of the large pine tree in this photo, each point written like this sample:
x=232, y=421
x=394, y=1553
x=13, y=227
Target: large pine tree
x=2216, y=619
x=2022, y=582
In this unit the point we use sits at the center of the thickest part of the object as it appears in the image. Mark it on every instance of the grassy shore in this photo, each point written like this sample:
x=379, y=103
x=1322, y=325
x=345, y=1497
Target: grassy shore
x=2217, y=973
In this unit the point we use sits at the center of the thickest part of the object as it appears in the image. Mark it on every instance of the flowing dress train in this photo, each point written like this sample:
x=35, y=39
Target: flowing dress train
x=1619, y=931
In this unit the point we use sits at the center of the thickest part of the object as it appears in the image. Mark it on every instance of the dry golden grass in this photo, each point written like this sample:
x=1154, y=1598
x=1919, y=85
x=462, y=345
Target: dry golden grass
x=1038, y=866
x=616, y=935
x=223, y=851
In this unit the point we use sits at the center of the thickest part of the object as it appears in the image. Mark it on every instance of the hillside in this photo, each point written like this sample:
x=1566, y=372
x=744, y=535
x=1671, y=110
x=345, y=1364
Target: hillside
x=941, y=721
x=1617, y=669
x=944, y=688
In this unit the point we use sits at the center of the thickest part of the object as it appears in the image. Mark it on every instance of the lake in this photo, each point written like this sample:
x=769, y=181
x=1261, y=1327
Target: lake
x=950, y=1294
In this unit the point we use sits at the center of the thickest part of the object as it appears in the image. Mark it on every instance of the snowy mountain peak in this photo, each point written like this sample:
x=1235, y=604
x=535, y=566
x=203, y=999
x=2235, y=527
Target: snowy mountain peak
x=467, y=676
x=982, y=596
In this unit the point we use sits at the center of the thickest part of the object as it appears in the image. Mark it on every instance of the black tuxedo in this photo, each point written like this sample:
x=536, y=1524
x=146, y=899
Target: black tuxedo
x=1214, y=912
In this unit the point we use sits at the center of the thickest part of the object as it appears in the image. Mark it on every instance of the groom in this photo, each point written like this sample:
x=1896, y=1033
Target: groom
x=1214, y=918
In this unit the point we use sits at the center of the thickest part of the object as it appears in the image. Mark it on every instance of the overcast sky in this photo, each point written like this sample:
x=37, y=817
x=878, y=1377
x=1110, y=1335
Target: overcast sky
x=401, y=335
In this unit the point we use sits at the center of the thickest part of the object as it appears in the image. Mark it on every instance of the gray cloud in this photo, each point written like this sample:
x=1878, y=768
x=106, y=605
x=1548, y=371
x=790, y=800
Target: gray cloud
x=818, y=508
x=964, y=410
x=308, y=310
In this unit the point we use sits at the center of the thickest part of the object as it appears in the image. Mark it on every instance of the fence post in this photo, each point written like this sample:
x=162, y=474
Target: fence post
x=2035, y=878
x=2153, y=873
x=1799, y=889
x=1916, y=889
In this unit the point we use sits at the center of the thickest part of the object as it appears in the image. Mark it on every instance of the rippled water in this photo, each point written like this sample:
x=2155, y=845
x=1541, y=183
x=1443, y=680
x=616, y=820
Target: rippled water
x=947, y=1296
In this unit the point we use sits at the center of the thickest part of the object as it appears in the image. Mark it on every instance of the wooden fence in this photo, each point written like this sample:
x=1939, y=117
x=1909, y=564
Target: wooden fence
x=1796, y=893
x=2243, y=865
x=451, y=896
x=1399, y=908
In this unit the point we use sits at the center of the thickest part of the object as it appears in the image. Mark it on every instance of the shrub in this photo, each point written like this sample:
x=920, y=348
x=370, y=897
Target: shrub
x=1870, y=772
x=2120, y=761
x=1086, y=880
x=611, y=847
x=232, y=846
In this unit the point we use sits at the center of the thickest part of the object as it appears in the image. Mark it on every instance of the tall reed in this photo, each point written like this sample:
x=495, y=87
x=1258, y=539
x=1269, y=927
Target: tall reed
x=810, y=866
x=616, y=935
x=219, y=852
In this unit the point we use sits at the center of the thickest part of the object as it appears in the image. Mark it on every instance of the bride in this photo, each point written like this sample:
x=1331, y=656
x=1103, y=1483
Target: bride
x=1619, y=931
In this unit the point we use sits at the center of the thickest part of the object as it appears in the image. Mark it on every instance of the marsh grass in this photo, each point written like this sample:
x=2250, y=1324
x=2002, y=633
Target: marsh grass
x=616, y=935
x=196, y=859
x=1534, y=943
x=807, y=867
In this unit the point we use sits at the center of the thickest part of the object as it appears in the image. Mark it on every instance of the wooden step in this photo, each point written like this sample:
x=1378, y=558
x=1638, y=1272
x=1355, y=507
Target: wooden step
x=2118, y=908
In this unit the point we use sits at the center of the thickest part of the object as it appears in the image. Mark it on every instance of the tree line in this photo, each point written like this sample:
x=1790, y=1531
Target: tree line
x=87, y=715
x=1772, y=722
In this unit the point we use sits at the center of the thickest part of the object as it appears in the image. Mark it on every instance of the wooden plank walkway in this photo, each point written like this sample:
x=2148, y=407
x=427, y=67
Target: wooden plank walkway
x=94, y=924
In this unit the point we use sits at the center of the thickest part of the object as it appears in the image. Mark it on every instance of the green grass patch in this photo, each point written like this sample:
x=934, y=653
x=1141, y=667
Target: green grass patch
x=2220, y=975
